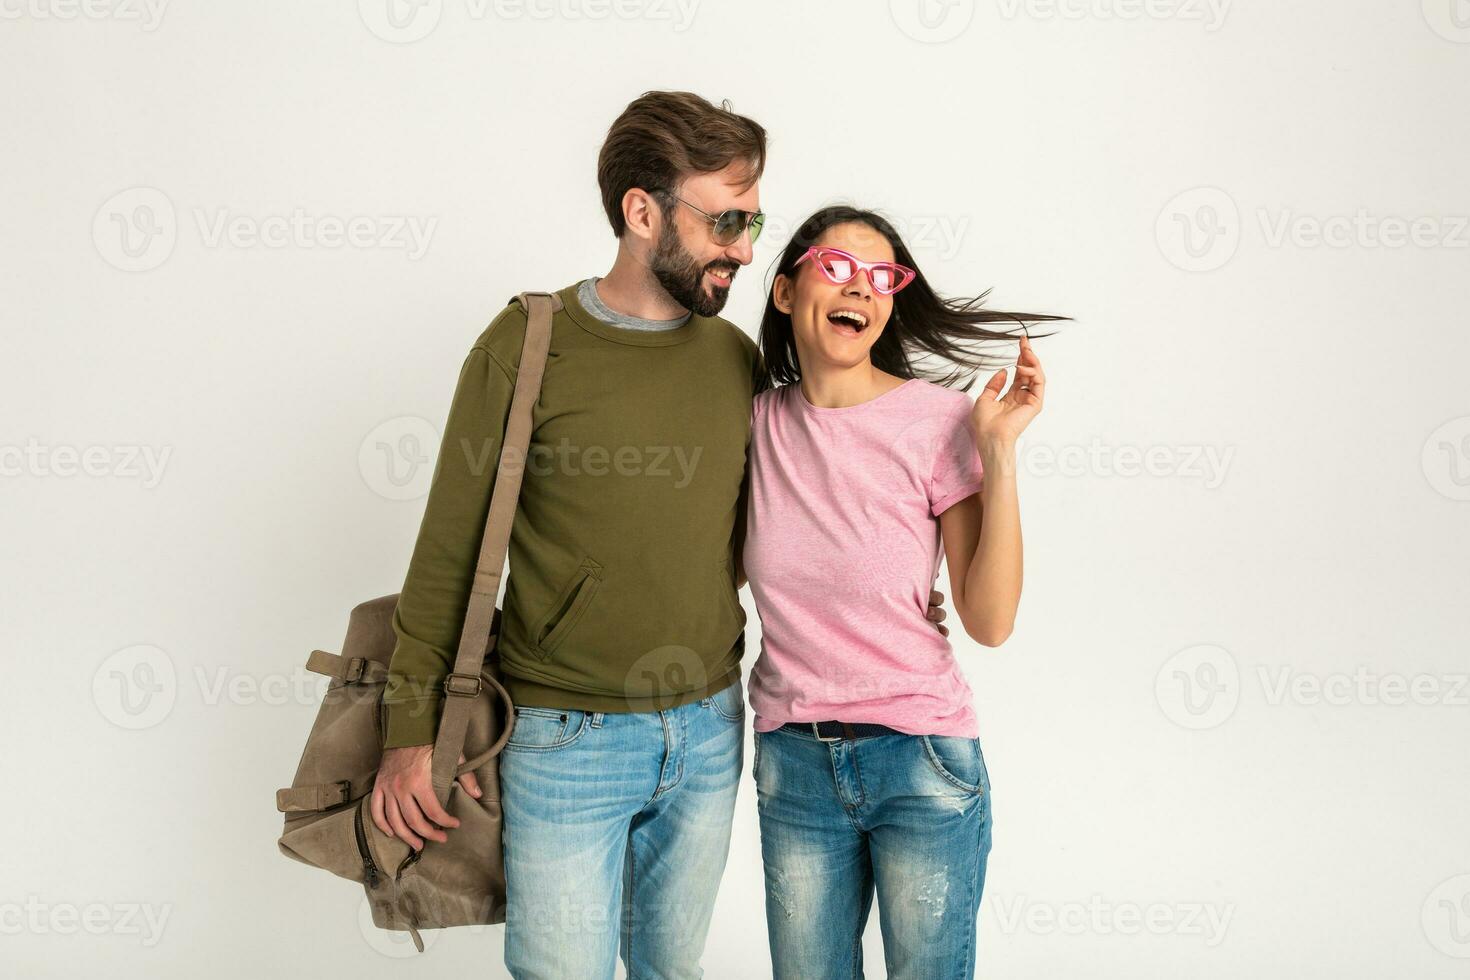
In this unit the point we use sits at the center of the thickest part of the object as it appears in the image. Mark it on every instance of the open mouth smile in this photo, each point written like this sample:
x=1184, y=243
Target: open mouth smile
x=849, y=322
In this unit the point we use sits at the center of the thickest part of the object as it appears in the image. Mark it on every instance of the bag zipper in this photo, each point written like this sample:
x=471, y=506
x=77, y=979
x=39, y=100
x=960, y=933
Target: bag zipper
x=369, y=867
x=412, y=858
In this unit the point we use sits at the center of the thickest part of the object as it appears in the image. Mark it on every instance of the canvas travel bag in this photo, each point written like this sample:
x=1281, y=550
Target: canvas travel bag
x=328, y=823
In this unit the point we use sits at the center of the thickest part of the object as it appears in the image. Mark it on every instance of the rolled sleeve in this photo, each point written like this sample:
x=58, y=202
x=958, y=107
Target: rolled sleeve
x=957, y=471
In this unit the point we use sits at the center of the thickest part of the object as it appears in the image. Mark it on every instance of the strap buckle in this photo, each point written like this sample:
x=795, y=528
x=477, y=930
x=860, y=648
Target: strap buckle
x=344, y=786
x=463, y=685
x=353, y=672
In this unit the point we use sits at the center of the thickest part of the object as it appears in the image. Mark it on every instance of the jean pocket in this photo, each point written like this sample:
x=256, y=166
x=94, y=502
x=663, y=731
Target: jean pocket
x=729, y=704
x=545, y=729
x=956, y=760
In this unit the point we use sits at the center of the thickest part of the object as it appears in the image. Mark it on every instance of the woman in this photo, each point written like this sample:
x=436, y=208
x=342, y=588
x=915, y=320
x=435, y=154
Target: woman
x=867, y=759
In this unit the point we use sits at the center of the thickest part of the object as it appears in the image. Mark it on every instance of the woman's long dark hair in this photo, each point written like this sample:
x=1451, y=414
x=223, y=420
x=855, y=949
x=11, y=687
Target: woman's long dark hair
x=924, y=325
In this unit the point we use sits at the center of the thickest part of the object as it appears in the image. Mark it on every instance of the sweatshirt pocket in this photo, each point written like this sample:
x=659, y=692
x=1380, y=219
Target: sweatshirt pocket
x=567, y=608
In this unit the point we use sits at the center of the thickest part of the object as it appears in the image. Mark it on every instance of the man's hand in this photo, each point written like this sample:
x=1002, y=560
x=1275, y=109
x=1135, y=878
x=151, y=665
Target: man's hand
x=404, y=805
x=936, y=614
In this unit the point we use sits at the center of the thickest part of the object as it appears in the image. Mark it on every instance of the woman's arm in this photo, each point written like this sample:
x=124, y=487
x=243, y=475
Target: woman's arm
x=982, y=533
x=982, y=546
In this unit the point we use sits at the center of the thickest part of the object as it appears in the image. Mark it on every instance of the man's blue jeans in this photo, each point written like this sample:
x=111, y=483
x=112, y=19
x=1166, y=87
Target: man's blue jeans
x=617, y=826
x=908, y=815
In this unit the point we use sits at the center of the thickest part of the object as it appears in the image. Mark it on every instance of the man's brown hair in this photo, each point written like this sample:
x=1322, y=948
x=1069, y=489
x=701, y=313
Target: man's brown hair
x=663, y=137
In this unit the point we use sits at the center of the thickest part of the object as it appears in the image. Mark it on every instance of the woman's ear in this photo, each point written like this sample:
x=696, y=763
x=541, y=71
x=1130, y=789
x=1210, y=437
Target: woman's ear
x=781, y=293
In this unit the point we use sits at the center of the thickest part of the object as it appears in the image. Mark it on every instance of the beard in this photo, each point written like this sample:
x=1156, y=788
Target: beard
x=682, y=276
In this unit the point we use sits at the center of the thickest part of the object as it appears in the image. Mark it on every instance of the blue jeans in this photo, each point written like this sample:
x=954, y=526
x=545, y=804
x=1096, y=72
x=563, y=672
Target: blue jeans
x=617, y=826
x=908, y=815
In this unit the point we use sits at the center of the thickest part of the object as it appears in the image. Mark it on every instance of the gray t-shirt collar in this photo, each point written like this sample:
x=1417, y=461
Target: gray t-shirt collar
x=587, y=296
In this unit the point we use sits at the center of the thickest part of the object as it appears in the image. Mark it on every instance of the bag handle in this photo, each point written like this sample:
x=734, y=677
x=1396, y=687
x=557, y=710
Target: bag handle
x=462, y=685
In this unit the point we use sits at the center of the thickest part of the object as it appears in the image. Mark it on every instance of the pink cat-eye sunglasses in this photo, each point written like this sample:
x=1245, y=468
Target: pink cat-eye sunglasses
x=840, y=267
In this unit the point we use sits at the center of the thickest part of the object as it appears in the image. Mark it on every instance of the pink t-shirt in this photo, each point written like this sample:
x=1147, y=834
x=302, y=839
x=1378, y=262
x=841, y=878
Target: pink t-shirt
x=842, y=547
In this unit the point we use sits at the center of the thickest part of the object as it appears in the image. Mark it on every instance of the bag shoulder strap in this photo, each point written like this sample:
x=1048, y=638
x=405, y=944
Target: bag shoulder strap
x=462, y=686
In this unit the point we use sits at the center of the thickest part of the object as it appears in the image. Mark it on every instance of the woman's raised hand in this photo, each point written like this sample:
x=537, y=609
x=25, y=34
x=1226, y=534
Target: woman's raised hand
x=999, y=419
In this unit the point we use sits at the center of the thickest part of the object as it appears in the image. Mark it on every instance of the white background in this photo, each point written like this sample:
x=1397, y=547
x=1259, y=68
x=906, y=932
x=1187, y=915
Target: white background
x=1171, y=798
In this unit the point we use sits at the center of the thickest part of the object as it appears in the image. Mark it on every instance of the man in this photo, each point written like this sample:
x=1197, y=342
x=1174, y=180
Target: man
x=622, y=631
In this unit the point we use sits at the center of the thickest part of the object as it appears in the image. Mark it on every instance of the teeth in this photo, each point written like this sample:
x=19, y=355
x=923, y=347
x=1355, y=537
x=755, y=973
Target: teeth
x=857, y=319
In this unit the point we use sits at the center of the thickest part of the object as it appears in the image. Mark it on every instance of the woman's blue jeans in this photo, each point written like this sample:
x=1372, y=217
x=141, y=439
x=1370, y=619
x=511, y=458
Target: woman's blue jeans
x=905, y=815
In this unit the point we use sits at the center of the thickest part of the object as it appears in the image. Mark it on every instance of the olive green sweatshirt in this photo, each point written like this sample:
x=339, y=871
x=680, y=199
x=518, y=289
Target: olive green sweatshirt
x=620, y=594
